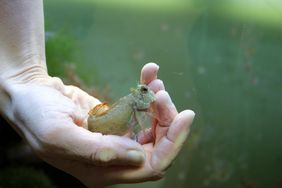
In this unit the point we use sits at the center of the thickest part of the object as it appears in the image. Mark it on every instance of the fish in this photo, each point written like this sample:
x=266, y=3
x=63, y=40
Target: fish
x=129, y=114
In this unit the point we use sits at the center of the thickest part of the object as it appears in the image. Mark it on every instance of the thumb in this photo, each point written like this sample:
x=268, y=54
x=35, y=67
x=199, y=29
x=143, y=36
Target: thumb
x=82, y=145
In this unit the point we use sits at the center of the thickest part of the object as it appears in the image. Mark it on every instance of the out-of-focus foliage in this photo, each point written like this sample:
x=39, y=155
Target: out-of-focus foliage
x=60, y=50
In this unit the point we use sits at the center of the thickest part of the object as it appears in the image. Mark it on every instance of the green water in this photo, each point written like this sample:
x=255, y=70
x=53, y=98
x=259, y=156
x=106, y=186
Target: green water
x=225, y=64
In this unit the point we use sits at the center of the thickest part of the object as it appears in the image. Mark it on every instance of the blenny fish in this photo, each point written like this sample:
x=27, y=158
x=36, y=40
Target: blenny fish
x=124, y=116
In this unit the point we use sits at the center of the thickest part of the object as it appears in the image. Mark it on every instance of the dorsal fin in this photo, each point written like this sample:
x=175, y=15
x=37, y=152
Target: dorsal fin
x=99, y=110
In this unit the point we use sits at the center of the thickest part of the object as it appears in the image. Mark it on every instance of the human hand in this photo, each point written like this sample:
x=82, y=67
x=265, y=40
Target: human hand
x=50, y=117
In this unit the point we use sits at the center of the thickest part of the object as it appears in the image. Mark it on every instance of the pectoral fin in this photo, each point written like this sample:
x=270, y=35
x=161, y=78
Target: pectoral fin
x=99, y=110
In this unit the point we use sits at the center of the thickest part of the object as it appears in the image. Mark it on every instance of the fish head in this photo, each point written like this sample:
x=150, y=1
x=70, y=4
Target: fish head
x=143, y=96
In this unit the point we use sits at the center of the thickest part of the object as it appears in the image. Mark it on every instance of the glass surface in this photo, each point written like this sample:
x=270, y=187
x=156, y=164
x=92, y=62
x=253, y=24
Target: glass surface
x=223, y=59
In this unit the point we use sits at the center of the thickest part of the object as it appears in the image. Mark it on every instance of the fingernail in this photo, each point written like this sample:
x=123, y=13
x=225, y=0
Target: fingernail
x=136, y=156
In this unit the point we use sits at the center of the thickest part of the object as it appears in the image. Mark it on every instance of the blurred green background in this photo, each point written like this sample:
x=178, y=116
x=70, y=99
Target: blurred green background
x=223, y=59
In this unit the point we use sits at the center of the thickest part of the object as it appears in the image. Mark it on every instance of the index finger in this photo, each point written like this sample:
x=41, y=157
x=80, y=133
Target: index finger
x=149, y=73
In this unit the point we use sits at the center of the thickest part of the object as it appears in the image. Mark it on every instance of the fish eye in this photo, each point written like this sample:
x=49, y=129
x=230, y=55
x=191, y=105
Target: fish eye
x=144, y=89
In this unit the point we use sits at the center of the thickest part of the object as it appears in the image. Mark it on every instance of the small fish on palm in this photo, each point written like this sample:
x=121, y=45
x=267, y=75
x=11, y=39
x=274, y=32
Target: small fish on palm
x=130, y=114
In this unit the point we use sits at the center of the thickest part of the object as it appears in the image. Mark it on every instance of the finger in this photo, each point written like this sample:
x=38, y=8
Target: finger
x=149, y=73
x=156, y=85
x=180, y=126
x=83, y=103
x=164, y=109
x=164, y=112
x=145, y=136
x=79, y=144
x=80, y=97
x=169, y=146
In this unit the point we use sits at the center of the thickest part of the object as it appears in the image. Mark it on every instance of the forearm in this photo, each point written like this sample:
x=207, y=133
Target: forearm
x=22, y=51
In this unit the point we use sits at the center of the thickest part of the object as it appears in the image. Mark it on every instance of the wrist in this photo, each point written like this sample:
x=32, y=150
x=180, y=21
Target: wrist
x=12, y=78
x=26, y=73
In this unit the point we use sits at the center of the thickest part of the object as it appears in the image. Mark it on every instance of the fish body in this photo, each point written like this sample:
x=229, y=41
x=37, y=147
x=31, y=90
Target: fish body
x=122, y=116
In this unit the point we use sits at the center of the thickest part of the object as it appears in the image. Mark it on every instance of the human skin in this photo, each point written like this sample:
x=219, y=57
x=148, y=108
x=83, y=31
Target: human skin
x=52, y=117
